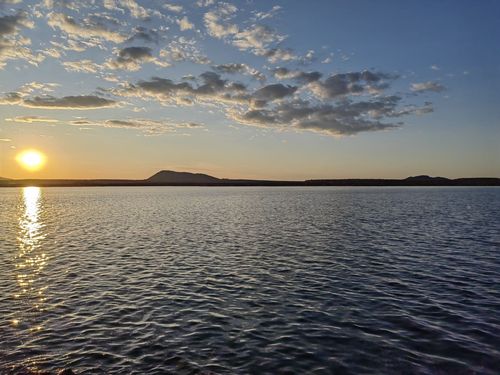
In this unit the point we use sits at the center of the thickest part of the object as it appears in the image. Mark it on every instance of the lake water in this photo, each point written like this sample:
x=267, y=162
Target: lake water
x=159, y=280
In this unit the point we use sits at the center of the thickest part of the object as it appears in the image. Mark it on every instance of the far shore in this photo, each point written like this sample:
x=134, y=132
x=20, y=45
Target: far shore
x=436, y=181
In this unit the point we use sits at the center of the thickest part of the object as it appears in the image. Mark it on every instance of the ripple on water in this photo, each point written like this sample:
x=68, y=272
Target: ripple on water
x=250, y=280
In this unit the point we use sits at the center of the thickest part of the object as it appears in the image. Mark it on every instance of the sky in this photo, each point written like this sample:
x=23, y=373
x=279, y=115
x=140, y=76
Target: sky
x=251, y=89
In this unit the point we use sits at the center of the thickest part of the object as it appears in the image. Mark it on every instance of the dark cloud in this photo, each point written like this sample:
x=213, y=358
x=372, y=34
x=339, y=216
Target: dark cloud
x=343, y=84
x=131, y=58
x=276, y=106
x=145, y=34
x=342, y=119
x=273, y=92
x=135, y=53
x=9, y=24
x=80, y=102
x=212, y=88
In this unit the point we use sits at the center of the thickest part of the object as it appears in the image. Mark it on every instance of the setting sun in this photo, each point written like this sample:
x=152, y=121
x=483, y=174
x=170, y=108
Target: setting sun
x=31, y=160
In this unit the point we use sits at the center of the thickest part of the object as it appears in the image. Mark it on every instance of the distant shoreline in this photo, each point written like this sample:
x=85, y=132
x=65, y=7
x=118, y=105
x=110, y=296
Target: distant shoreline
x=226, y=182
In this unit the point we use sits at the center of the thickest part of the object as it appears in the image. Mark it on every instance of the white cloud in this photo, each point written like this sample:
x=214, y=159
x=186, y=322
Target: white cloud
x=427, y=86
x=147, y=126
x=185, y=24
x=81, y=66
x=218, y=23
x=85, y=29
x=31, y=119
x=173, y=8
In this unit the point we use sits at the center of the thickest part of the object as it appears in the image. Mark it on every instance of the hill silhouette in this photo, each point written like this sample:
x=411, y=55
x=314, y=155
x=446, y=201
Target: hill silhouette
x=173, y=177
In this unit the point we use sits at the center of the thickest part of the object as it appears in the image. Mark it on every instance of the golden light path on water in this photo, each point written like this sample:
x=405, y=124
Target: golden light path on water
x=30, y=260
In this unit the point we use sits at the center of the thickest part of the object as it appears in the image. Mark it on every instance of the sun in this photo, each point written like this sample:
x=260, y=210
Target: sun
x=32, y=160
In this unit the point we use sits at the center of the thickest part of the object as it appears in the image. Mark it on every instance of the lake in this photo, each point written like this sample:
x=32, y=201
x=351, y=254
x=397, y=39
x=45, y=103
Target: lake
x=250, y=280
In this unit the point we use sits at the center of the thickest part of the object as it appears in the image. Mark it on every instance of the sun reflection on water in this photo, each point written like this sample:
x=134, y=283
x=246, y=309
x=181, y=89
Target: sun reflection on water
x=30, y=260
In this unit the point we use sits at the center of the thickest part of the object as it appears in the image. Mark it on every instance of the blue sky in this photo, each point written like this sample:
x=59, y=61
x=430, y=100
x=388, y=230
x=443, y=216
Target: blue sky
x=255, y=89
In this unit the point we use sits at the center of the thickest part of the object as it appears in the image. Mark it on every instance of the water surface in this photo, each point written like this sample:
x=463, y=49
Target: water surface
x=250, y=280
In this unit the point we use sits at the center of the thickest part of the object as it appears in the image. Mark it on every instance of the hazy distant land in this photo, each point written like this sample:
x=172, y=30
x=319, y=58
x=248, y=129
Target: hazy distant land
x=173, y=178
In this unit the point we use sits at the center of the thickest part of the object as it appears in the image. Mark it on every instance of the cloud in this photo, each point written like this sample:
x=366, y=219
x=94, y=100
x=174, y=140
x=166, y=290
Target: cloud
x=135, y=9
x=131, y=58
x=183, y=49
x=337, y=111
x=274, y=92
x=275, y=55
x=234, y=68
x=205, y=3
x=87, y=28
x=5, y=140
x=173, y=8
x=296, y=75
x=264, y=15
x=124, y=37
x=14, y=46
x=346, y=118
x=150, y=127
x=211, y=89
x=31, y=119
x=218, y=23
x=184, y=24
x=11, y=98
x=354, y=83
x=81, y=66
x=427, y=86
x=80, y=102
x=257, y=38
x=145, y=34
x=11, y=24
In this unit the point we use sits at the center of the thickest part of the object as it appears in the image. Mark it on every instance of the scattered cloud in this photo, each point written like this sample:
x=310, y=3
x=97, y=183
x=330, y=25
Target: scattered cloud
x=276, y=55
x=131, y=58
x=183, y=49
x=296, y=75
x=14, y=46
x=113, y=41
x=185, y=24
x=79, y=102
x=147, y=126
x=245, y=69
x=173, y=8
x=427, y=86
x=257, y=38
x=81, y=66
x=274, y=92
x=144, y=34
x=271, y=13
x=334, y=108
x=32, y=119
x=86, y=28
x=354, y=83
x=218, y=20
